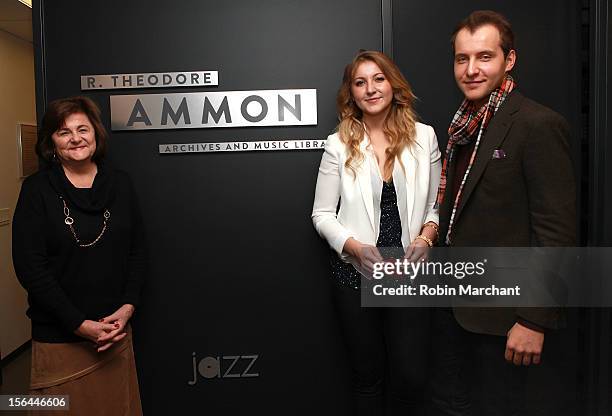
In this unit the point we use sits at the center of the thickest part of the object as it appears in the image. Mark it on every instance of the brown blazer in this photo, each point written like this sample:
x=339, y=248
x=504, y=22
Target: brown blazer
x=526, y=198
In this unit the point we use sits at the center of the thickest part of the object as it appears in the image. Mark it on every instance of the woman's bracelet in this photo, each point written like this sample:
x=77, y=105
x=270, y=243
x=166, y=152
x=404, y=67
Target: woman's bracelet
x=427, y=240
x=432, y=225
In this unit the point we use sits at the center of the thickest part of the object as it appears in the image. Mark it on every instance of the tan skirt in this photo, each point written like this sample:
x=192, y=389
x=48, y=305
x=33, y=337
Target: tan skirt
x=97, y=383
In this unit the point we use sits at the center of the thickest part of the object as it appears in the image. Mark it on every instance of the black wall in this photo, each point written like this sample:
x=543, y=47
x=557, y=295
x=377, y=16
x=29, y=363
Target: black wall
x=236, y=267
x=549, y=69
x=550, y=66
x=599, y=321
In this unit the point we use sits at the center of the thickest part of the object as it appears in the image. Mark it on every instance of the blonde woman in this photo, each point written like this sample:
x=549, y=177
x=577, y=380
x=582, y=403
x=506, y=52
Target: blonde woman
x=382, y=168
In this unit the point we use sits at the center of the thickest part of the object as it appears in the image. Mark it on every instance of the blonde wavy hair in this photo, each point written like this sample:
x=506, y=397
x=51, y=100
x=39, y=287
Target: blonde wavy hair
x=399, y=125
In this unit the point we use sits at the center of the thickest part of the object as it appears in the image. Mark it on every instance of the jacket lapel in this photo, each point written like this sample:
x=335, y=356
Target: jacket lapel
x=365, y=181
x=407, y=192
x=493, y=138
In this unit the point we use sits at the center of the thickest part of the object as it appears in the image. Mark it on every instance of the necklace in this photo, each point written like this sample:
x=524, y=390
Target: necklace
x=69, y=221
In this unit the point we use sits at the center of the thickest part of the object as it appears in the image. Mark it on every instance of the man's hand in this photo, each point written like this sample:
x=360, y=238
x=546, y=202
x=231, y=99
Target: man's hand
x=524, y=345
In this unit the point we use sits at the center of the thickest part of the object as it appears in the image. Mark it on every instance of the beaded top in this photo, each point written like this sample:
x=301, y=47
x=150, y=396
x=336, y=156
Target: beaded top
x=390, y=235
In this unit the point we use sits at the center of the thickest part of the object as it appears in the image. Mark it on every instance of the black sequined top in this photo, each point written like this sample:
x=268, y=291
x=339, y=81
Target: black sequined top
x=390, y=235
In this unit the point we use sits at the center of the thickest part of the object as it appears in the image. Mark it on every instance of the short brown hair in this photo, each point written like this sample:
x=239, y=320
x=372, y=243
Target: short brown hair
x=55, y=118
x=480, y=18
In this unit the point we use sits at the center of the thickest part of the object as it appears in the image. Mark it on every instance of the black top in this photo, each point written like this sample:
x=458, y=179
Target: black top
x=67, y=284
x=390, y=235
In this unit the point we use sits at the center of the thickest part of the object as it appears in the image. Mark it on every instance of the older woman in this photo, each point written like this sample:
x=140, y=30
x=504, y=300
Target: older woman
x=383, y=168
x=78, y=251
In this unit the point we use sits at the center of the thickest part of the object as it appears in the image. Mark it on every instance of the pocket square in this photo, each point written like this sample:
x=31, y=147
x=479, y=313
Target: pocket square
x=498, y=154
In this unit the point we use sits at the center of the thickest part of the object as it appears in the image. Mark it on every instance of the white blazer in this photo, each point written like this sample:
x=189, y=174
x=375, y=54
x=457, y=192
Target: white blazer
x=356, y=217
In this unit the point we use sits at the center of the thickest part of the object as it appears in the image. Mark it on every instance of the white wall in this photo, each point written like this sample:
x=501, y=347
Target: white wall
x=17, y=105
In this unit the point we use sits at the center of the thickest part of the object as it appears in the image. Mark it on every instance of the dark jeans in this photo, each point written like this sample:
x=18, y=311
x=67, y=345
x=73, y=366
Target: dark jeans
x=388, y=352
x=470, y=376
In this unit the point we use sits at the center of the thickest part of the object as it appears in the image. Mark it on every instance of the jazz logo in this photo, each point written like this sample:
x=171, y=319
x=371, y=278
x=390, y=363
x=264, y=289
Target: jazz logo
x=225, y=366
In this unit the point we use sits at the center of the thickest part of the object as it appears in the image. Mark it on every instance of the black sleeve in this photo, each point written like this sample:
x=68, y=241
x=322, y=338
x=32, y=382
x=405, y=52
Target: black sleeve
x=31, y=260
x=549, y=176
x=137, y=256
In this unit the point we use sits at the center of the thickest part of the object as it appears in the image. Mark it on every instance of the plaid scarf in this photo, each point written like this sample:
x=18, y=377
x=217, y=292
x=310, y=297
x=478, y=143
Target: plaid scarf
x=468, y=126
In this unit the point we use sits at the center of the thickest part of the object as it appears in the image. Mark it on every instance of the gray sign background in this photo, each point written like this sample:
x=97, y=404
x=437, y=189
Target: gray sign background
x=214, y=109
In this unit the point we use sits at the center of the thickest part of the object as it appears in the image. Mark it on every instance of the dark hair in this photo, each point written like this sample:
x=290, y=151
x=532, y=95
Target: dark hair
x=481, y=18
x=54, y=119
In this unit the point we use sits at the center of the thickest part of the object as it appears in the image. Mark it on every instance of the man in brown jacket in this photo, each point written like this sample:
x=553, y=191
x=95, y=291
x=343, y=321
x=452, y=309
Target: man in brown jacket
x=507, y=181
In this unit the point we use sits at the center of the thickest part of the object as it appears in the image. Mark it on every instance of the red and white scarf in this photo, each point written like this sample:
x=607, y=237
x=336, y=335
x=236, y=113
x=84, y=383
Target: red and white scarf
x=467, y=126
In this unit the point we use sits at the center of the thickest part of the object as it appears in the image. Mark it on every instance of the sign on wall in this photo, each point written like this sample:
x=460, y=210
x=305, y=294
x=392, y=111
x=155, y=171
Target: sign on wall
x=250, y=146
x=150, y=80
x=214, y=109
